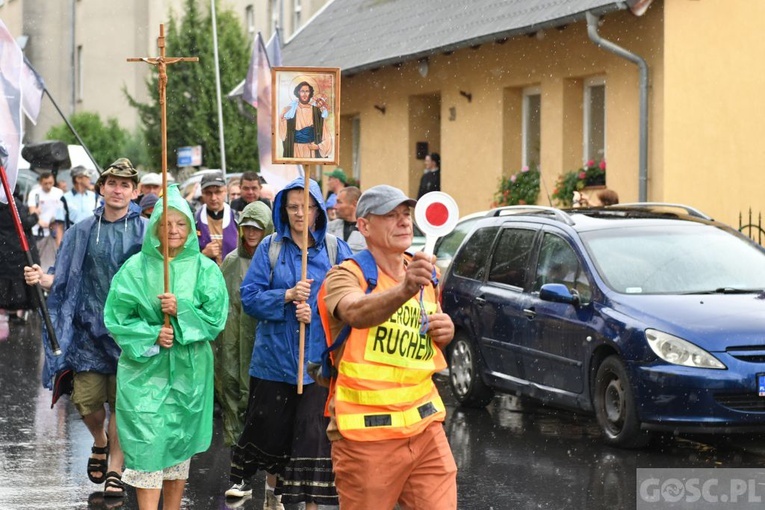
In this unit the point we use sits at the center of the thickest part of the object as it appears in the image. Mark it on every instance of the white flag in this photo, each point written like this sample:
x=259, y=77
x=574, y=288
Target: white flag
x=257, y=92
x=32, y=88
x=250, y=91
x=11, y=66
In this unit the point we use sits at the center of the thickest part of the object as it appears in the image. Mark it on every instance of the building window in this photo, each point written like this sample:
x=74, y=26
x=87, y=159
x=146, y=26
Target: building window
x=594, y=119
x=297, y=15
x=249, y=16
x=79, y=74
x=532, y=126
x=356, y=136
x=275, y=15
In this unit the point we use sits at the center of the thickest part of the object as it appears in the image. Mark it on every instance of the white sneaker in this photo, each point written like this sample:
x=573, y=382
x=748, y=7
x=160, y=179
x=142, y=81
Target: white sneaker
x=237, y=502
x=272, y=502
x=239, y=490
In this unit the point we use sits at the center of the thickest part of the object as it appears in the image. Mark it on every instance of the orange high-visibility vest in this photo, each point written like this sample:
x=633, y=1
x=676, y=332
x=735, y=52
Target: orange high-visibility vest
x=384, y=387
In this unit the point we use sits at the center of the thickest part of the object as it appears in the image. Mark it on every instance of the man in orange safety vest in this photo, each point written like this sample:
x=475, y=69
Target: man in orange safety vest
x=386, y=416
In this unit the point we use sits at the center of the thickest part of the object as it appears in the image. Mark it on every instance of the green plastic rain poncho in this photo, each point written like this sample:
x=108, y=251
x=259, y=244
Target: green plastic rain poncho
x=165, y=396
x=232, y=362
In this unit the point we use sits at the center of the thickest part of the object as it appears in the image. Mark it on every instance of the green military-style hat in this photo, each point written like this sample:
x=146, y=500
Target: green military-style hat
x=120, y=168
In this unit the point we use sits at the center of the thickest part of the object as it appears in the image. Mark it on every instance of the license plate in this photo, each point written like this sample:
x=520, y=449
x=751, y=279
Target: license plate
x=761, y=385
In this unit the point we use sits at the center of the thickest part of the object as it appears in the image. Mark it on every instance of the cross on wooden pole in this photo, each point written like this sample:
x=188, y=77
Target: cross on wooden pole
x=162, y=62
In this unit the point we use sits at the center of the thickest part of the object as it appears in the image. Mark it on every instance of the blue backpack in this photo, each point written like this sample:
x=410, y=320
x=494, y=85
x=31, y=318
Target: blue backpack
x=366, y=262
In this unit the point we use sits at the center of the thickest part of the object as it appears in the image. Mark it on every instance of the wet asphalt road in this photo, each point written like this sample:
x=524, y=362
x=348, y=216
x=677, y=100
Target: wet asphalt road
x=510, y=456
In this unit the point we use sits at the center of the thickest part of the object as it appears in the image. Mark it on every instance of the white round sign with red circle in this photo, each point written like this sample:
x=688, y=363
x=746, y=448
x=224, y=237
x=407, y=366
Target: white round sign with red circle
x=436, y=215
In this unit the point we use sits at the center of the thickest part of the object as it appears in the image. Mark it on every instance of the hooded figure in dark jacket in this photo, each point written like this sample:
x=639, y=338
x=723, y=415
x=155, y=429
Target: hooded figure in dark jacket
x=14, y=293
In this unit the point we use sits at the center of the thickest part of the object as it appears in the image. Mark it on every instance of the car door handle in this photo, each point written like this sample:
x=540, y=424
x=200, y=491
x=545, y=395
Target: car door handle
x=529, y=313
x=479, y=301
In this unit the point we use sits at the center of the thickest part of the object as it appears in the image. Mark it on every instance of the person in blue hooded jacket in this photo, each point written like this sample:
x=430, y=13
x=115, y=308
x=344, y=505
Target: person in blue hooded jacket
x=90, y=255
x=285, y=433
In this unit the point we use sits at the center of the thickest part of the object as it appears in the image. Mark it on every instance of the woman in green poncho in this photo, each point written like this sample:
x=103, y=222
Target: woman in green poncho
x=165, y=375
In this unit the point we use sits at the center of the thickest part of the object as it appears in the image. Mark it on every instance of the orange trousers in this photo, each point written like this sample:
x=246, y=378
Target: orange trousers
x=418, y=472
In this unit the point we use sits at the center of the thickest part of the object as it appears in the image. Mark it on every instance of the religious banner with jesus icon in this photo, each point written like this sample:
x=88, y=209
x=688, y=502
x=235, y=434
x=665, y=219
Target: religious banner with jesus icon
x=306, y=120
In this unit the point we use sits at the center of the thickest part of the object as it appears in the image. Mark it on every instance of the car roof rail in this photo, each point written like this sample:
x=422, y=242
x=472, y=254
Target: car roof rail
x=655, y=206
x=539, y=209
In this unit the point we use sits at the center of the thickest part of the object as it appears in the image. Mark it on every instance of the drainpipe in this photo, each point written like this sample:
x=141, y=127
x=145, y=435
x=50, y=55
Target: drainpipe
x=592, y=31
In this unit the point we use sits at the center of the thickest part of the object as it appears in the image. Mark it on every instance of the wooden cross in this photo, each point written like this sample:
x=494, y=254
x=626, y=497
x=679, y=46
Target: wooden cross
x=162, y=62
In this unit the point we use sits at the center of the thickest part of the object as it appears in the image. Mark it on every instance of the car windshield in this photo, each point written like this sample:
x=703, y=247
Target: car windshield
x=677, y=259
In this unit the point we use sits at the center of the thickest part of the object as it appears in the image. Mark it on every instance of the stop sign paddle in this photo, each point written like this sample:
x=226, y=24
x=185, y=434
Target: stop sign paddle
x=436, y=215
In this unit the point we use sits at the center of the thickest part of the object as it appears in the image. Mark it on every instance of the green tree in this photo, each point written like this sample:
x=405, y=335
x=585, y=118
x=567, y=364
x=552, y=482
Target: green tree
x=135, y=149
x=106, y=141
x=192, y=114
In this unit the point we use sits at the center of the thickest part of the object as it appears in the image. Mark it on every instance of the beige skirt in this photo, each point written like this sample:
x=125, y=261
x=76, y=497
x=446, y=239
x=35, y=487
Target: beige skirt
x=154, y=479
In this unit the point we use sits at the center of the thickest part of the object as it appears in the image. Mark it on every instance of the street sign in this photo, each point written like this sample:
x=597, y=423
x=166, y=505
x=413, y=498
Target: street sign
x=190, y=156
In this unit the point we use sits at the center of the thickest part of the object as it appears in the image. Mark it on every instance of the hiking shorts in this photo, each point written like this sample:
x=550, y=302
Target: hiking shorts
x=92, y=390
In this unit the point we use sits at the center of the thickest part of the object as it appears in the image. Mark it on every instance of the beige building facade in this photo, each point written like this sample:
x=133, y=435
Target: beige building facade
x=705, y=106
x=469, y=107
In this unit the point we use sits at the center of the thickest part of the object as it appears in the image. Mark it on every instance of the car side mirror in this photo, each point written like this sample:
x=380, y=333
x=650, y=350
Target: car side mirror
x=559, y=293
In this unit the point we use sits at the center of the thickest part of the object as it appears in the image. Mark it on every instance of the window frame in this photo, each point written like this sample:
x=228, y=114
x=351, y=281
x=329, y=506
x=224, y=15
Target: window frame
x=582, y=274
x=249, y=17
x=528, y=92
x=530, y=261
x=297, y=11
x=589, y=84
x=275, y=6
x=356, y=147
x=481, y=270
x=79, y=74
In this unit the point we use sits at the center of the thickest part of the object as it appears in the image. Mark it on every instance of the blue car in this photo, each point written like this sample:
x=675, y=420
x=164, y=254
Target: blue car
x=652, y=317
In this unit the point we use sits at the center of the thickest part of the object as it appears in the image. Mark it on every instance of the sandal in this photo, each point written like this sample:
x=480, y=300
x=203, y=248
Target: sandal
x=97, y=467
x=97, y=501
x=114, y=481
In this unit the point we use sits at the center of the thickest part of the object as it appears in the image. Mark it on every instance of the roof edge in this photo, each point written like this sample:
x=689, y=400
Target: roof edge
x=606, y=9
x=315, y=15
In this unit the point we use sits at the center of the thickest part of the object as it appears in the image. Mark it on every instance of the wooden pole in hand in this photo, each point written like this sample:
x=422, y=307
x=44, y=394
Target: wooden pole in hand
x=162, y=62
x=304, y=270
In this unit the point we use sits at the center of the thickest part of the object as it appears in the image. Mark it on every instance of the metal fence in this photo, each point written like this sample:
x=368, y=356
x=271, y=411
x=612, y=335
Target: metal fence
x=750, y=228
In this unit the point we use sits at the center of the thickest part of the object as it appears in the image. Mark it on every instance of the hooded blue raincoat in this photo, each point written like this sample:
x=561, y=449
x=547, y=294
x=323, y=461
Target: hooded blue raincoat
x=165, y=396
x=91, y=253
x=275, y=355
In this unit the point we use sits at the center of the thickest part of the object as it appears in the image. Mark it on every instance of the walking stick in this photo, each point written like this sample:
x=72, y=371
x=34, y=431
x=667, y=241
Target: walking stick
x=25, y=248
x=303, y=274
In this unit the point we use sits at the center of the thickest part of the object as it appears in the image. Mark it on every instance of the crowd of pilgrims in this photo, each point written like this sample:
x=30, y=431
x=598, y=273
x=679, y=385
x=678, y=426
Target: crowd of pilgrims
x=98, y=248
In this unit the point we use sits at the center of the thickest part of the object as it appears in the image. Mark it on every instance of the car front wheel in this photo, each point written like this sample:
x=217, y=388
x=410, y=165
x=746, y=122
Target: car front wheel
x=615, y=406
x=464, y=374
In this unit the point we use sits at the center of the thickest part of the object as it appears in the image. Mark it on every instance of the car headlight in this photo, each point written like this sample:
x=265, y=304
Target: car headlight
x=680, y=352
